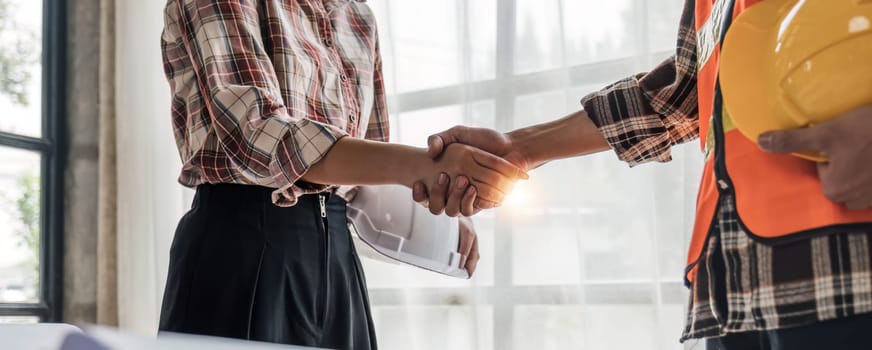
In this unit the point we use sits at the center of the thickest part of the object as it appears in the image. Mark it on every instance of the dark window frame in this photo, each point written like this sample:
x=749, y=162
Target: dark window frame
x=52, y=147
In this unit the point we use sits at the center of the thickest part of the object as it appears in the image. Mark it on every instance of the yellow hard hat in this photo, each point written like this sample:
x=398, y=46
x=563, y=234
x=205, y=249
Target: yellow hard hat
x=794, y=63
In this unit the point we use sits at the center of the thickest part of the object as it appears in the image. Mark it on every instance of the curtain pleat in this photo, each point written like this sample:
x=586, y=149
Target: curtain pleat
x=107, y=225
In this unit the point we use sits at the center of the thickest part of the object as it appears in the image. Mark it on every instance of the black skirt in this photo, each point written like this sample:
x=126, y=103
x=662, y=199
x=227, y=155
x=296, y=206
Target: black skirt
x=241, y=267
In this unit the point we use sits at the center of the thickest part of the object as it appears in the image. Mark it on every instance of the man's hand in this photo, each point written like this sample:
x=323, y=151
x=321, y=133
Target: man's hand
x=468, y=246
x=461, y=198
x=847, y=143
x=488, y=140
x=492, y=176
x=527, y=148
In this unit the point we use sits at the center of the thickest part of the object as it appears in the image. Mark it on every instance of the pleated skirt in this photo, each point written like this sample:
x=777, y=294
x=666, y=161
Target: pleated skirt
x=241, y=267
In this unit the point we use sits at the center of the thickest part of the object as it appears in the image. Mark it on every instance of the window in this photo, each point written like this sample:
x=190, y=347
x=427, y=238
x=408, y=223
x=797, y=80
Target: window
x=31, y=159
x=586, y=252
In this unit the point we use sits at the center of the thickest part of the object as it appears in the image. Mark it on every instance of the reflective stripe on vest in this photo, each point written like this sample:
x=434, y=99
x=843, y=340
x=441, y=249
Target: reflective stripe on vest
x=777, y=197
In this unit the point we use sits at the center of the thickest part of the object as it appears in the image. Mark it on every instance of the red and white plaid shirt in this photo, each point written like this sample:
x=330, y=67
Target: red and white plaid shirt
x=261, y=90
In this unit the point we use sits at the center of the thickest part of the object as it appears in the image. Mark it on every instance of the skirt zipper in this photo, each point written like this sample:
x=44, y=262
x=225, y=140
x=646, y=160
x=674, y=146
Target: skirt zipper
x=322, y=202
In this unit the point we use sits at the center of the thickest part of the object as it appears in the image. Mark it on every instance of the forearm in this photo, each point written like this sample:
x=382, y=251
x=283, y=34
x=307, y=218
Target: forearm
x=571, y=136
x=361, y=162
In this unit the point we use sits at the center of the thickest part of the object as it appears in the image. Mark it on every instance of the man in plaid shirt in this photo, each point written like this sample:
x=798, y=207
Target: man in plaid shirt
x=802, y=293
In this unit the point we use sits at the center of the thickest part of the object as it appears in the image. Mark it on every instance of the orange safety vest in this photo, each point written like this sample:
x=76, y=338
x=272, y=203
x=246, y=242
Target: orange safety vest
x=777, y=197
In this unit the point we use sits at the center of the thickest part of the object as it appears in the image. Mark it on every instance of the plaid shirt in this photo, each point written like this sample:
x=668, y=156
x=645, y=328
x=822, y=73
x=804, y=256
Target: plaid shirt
x=261, y=90
x=742, y=284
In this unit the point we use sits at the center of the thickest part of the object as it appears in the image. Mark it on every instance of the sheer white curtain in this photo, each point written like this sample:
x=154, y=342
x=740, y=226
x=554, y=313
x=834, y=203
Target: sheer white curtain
x=150, y=201
x=587, y=255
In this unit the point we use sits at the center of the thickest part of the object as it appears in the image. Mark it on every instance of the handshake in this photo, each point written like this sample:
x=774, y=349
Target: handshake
x=476, y=168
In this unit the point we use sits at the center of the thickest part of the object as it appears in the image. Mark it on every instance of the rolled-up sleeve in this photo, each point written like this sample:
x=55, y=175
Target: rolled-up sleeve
x=644, y=115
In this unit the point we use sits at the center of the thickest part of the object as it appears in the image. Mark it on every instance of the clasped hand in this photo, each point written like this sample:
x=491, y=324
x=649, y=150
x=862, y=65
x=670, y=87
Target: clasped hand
x=494, y=166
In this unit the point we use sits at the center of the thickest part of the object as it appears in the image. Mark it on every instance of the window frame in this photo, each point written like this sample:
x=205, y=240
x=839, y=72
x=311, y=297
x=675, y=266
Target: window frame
x=503, y=89
x=52, y=147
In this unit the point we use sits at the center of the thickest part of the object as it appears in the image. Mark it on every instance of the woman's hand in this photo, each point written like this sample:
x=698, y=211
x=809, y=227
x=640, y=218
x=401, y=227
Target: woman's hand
x=457, y=197
x=468, y=248
x=490, y=176
x=362, y=162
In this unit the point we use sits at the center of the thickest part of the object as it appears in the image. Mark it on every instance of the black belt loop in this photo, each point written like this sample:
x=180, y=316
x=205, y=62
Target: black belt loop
x=201, y=196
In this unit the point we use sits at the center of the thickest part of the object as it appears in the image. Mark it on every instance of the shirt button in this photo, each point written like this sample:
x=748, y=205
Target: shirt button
x=351, y=117
x=343, y=77
x=328, y=42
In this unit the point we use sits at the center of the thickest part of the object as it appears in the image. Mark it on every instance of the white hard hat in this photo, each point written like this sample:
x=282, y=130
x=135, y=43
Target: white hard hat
x=386, y=218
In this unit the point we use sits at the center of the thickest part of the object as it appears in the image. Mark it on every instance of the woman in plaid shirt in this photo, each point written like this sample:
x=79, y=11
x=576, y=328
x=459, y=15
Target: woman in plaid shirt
x=274, y=103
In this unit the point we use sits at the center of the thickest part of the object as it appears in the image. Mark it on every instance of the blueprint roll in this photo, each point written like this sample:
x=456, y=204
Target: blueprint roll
x=388, y=220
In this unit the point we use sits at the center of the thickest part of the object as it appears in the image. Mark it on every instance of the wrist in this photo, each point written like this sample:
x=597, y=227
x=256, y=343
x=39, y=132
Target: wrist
x=571, y=136
x=523, y=143
x=410, y=165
